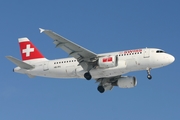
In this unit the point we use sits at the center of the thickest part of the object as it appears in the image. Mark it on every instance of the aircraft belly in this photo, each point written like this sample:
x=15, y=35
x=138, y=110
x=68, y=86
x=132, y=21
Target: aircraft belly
x=50, y=71
x=108, y=72
x=99, y=72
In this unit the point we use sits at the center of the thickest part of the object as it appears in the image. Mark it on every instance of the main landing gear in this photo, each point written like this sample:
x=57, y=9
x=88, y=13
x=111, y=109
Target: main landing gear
x=149, y=74
x=100, y=89
x=87, y=75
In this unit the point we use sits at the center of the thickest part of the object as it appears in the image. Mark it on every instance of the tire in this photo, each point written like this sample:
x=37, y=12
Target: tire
x=87, y=76
x=149, y=77
x=101, y=89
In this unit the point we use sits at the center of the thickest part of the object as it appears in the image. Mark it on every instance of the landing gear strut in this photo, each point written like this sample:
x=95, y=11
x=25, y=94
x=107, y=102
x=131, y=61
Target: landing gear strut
x=149, y=74
x=87, y=75
x=101, y=89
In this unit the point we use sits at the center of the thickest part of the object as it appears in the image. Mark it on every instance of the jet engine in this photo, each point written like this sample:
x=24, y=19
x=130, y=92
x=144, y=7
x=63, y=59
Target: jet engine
x=107, y=62
x=126, y=82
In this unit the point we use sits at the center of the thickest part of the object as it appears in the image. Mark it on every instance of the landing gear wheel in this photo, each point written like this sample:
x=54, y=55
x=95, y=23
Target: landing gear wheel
x=101, y=89
x=149, y=74
x=149, y=77
x=87, y=76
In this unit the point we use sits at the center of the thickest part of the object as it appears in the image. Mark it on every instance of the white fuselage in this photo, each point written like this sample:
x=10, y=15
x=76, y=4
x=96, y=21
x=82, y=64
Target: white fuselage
x=127, y=61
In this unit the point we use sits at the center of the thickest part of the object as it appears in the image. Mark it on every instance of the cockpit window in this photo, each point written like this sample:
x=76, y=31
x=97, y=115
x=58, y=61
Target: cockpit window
x=160, y=51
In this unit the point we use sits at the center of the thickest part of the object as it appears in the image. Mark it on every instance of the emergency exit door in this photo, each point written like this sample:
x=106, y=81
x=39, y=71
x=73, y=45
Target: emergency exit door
x=146, y=53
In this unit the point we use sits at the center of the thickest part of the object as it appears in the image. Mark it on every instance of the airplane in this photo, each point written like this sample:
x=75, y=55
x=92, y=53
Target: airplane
x=106, y=68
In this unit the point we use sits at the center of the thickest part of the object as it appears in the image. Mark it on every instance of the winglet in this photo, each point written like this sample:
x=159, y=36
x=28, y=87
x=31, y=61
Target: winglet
x=41, y=30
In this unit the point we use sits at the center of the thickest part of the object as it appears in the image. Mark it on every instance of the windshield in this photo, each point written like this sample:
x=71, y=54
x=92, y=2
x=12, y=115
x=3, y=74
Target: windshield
x=160, y=51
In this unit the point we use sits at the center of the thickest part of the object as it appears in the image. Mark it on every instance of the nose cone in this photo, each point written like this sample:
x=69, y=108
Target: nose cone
x=164, y=59
x=171, y=58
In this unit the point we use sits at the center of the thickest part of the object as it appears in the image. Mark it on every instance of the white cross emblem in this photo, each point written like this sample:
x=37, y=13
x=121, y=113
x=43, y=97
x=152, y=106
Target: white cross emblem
x=28, y=50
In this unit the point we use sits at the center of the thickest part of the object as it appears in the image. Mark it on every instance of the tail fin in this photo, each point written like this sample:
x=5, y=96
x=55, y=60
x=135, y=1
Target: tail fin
x=29, y=51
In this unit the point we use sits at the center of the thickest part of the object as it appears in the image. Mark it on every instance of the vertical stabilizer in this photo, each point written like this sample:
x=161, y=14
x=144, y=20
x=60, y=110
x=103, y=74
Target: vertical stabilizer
x=28, y=51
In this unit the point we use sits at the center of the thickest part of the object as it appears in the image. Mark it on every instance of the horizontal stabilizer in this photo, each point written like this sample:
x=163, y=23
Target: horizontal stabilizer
x=19, y=63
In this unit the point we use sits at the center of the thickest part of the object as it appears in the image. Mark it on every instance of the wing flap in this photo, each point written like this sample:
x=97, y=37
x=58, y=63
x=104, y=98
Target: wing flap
x=19, y=63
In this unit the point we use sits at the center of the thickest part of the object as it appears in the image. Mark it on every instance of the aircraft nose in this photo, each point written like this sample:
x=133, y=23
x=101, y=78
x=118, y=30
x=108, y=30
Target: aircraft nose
x=171, y=59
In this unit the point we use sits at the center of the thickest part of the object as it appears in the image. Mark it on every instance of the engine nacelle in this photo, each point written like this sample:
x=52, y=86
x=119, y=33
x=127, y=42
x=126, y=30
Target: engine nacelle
x=107, y=62
x=127, y=82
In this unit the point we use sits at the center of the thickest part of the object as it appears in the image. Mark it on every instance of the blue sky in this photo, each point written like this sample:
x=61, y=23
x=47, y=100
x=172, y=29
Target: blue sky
x=100, y=26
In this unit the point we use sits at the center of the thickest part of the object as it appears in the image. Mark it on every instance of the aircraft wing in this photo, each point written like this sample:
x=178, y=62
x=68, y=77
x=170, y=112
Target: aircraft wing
x=83, y=55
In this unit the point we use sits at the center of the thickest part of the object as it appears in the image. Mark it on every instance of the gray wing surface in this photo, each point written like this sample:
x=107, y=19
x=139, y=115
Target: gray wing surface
x=68, y=46
x=80, y=53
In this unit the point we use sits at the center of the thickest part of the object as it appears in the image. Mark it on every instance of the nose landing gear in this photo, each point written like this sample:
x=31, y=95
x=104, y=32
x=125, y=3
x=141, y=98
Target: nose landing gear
x=149, y=74
x=149, y=77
